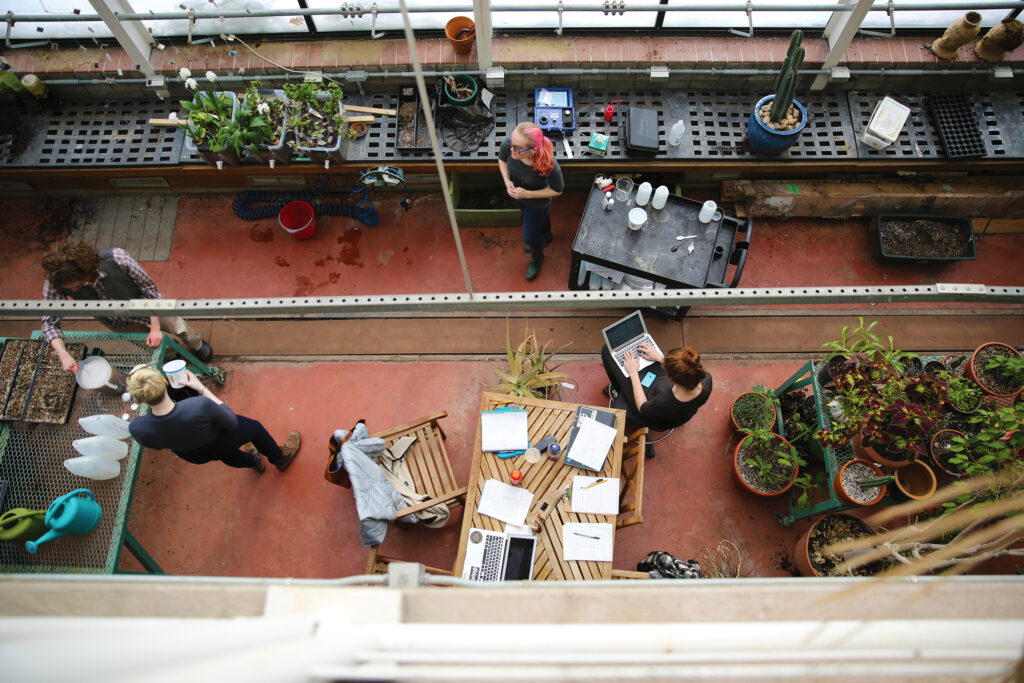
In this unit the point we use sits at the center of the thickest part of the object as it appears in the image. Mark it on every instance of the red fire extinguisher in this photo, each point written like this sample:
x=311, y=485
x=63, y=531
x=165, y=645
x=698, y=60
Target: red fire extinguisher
x=609, y=111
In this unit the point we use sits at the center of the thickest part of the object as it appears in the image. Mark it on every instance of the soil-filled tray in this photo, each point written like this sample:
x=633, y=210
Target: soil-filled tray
x=412, y=133
x=17, y=368
x=53, y=391
x=924, y=239
x=34, y=386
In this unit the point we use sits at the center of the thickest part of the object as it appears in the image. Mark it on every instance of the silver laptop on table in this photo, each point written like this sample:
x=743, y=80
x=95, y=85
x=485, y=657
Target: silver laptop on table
x=625, y=335
x=494, y=556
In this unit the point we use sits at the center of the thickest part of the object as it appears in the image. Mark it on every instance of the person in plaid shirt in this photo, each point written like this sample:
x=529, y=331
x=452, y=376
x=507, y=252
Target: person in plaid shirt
x=76, y=270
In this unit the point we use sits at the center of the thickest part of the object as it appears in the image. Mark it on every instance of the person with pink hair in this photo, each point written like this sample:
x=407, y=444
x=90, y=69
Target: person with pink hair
x=532, y=177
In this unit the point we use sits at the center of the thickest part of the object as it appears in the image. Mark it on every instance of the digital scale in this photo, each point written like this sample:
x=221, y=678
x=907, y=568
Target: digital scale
x=553, y=111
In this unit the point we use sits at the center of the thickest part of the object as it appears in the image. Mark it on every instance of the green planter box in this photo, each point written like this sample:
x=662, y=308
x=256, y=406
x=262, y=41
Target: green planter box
x=472, y=190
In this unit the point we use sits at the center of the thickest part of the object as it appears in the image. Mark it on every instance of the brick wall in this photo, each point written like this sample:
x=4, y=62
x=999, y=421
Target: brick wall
x=523, y=52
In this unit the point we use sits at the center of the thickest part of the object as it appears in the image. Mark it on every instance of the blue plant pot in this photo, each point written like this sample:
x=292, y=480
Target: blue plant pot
x=768, y=141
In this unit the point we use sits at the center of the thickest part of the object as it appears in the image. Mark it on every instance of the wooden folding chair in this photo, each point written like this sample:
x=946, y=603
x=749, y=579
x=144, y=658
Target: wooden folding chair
x=631, y=480
x=431, y=472
x=627, y=574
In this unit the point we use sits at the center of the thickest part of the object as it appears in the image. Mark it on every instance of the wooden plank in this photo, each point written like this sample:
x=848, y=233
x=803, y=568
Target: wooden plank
x=994, y=226
x=150, y=230
x=368, y=110
x=360, y=119
x=165, y=237
x=136, y=226
x=86, y=231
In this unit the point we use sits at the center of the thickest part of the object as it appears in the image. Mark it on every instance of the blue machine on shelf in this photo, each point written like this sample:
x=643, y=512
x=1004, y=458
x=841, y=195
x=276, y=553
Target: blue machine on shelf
x=553, y=110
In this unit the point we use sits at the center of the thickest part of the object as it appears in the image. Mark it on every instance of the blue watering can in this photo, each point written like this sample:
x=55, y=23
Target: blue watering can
x=69, y=514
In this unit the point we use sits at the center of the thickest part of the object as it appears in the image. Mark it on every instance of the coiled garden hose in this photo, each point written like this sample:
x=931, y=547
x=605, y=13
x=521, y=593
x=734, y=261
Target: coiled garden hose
x=268, y=204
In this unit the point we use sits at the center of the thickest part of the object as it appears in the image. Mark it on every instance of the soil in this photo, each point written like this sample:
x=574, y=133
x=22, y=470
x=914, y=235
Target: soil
x=54, y=389
x=20, y=356
x=407, y=124
x=933, y=368
x=485, y=199
x=853, y=474
x=923, y=237
x=809, y=411
x=993, y=380
x=752, y=410
x=940, y=445
x=791, y=402
x=912, y=366
x=831, y=530
x=953, y=368
x=779, y=472
x=832, y=367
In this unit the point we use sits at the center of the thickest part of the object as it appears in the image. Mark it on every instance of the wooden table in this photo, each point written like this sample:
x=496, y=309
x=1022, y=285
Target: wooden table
x=544, y=417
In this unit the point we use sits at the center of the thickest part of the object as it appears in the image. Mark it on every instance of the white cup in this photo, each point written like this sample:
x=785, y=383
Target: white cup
x=637, y=219
x=623, y=188
x=176, y=372
x=707, y=212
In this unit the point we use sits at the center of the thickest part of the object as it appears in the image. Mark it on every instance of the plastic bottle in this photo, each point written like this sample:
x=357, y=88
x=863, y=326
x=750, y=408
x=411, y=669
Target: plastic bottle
x=515, y=477
x=609, y=205
x=675, y=134
x=93, y=467
x=660, y=198
x=605, y=201
x=105, y=425
x=101, y=446
x=554, y=451
x=643, y=195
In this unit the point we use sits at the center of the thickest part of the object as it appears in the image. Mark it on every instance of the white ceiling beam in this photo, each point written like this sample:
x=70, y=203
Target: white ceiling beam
x=840, y=31
x=484, y=31
x=132, y=36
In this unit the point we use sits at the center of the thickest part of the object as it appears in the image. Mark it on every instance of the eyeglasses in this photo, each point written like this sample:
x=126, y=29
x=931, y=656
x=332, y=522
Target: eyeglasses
x=519, y=150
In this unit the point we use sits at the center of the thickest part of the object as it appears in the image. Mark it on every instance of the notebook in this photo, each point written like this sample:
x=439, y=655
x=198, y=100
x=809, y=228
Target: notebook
x=603, y=417
x=503, y=430
x=494, y=556
x=625, y=335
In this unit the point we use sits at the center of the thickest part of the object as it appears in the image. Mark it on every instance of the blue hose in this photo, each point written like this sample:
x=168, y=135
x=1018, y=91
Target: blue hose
x=357, y=205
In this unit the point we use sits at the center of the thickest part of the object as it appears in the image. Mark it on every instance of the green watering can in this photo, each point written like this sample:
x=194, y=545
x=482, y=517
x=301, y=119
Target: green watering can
x=69, y=514
x=22, y=524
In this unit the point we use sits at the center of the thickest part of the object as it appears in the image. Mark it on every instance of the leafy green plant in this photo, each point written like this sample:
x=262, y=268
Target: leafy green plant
x=530, y=372
x=963, y=394
x=1010, y=367
x=995, y=445
x=246, y=129
x=808, y=484
x=771, y=457
x=269, y=109
x=208, y=112
x=315, y=114
x=853, y=341
x=753, y=410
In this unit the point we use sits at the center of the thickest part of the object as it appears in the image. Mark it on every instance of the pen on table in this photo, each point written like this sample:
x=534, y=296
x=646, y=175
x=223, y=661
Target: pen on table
x=599, y=481
x=576, y=533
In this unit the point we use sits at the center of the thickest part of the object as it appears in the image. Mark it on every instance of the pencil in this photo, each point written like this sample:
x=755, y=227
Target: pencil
x=599, y=481
x=586, y=535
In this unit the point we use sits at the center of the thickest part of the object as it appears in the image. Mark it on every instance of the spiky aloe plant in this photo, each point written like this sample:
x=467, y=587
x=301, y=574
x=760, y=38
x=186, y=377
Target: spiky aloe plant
x=530, y=372
x=785, y=83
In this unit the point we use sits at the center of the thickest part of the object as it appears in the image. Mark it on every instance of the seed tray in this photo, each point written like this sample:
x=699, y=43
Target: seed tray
x=963, y=225
x=20, y=356
x=52, y=385
x=30, y=354
x=420, y=130
x=957, y=123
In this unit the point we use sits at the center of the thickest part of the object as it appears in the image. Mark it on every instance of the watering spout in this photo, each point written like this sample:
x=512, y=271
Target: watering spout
x=51, y=535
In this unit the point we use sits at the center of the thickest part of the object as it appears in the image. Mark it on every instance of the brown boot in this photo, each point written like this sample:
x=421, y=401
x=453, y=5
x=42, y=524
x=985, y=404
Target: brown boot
x=289, y=449
x=260, y=467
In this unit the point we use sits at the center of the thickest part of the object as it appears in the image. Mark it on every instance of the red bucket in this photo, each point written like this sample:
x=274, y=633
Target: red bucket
x=298, y=219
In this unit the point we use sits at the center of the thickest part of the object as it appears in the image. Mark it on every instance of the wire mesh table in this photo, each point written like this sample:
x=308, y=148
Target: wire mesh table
x=32, y=462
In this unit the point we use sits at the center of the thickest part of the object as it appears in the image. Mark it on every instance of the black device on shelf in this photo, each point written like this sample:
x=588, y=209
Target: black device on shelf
x=957, y=124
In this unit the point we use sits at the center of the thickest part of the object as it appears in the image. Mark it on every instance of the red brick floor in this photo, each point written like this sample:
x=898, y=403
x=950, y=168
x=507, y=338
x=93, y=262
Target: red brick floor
x=218, y=521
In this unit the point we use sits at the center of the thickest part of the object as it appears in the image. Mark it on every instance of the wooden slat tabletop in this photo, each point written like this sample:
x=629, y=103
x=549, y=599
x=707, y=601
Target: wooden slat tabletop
x=544, y=418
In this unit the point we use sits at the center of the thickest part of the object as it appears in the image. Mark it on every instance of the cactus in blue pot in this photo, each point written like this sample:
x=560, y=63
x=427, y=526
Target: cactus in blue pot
x=785, y=83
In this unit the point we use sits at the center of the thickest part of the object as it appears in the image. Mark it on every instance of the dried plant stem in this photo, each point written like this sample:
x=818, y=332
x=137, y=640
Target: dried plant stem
x=461, y=92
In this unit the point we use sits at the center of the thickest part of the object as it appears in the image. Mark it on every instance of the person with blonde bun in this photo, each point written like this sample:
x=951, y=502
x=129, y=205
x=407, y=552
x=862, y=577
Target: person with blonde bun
x=680, y=387
x=202, y=428
x=532, y=178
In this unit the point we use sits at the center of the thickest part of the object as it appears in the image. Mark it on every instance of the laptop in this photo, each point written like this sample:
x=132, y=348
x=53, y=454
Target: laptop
x=496, y=556
x=625, y=335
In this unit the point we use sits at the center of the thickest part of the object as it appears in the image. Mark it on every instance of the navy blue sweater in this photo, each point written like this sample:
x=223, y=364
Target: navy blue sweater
x=191, y=424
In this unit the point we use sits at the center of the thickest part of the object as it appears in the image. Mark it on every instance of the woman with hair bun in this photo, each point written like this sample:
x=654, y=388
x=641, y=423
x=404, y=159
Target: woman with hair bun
x=532, y=177
x=680, y=387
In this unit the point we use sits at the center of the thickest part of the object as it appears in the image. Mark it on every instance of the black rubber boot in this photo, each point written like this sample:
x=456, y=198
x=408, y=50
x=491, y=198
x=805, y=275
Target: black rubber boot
x=533, y=269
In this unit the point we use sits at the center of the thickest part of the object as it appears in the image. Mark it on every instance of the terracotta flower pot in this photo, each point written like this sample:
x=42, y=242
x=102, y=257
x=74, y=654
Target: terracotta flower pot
x=973, y=372
x=916, y=480
x=460, y=32
x=732, y=413
x=801, y=551
x=837, y=483
x=865, y=452
x=743, y=482
x=936, y=456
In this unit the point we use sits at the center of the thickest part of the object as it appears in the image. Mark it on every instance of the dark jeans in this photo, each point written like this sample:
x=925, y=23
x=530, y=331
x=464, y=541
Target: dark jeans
x=536, y=225
x=626, y=401
x=226, y=447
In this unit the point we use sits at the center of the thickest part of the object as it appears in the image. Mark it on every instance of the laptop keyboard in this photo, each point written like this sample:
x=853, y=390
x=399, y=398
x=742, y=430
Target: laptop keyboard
x=494, y=549
x=632, y=346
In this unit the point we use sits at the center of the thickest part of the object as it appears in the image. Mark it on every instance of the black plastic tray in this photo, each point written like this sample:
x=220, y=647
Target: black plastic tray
x=965, y=226
x=421, y=131
x=24, y=365
x=72, y=348
x=957, y=124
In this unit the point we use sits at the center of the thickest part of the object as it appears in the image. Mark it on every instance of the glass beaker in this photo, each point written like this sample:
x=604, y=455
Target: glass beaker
x=623, y=188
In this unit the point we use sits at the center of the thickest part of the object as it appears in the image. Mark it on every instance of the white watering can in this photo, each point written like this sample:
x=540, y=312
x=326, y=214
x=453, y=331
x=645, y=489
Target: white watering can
x=96, y=374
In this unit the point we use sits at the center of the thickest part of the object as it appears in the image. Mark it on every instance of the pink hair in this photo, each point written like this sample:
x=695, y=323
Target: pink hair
x=543, y=150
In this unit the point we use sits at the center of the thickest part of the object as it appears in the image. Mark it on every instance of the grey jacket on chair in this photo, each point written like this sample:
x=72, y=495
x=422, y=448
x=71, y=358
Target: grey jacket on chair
x=377, y=501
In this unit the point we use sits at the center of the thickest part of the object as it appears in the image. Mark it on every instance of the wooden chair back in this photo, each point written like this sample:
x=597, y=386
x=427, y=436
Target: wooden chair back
x=631, y=480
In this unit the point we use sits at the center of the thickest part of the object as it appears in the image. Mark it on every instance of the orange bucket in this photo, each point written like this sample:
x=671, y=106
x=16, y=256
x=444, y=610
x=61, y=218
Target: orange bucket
x=455, y=26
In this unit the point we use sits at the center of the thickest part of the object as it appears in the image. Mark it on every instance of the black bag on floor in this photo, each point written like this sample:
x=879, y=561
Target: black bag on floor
x=663, y=565
x=462, y=128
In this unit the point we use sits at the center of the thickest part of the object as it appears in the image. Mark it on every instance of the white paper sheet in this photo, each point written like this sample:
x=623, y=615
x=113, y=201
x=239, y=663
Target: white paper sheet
x=589, y=496
x=587, y=542
x=503, y=430
x=591, y=444
x=505, y=502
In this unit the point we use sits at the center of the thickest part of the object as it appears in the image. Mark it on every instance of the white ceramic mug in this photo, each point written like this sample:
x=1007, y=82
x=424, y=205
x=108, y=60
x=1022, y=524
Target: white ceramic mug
x=176, y=372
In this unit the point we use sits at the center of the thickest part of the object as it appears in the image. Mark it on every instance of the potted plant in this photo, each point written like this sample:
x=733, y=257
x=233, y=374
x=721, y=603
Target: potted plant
x=939, y=449
x=269, y=107
x=860, y=482
x=529, y=371
x=997, y=368
x=963, y=395
x=899, y=420
x=855, y=344
x=916, y=480
x=814, y=552
x=208, y=112
x=954, y=364
x=777, y=119
x=764, y=463
x=751, y=410
x=997, y=444
x=316, y=120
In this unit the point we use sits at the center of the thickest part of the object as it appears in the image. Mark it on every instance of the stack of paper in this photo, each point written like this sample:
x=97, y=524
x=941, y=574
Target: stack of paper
x=587, y=542
x=595, y=495
x=503, y=430
x=590, y=447
x=508, y=503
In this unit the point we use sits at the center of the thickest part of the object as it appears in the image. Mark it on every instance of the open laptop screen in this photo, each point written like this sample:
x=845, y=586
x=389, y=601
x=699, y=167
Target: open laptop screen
x=519, y=565
x=626, y=330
